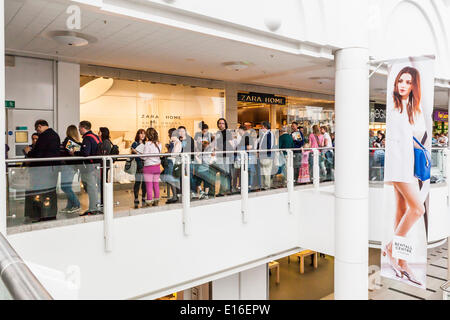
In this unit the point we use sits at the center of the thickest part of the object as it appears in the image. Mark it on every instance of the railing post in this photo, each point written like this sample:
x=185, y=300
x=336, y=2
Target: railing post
x=316, y=170
x=447, y=173
x=244, y=186
x=108, y=202
x=290, y=179
x=186, y=194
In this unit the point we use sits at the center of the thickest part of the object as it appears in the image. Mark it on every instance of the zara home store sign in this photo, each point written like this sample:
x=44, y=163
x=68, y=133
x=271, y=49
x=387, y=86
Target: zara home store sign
x=254, y=97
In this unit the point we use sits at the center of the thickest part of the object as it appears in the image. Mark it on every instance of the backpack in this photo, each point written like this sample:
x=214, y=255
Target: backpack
x=104, y=148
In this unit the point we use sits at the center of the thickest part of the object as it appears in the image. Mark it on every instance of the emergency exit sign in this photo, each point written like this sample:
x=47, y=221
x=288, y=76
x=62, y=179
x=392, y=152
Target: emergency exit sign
x=10, y=104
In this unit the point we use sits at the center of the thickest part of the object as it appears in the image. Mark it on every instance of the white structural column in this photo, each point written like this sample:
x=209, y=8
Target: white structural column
x=352, y=174
x=2, y=121
x=448, y=240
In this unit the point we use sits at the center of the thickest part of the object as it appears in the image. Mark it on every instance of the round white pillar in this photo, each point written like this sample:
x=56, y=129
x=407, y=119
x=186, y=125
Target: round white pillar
x=352, y=174
x=448, y=240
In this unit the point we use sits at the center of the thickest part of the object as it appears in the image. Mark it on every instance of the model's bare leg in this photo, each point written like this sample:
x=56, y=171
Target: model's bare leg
x=401, y=208
x=415, y=211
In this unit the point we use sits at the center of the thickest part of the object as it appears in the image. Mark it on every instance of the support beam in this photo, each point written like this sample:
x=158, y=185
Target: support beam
x=3, y=190
x=352, y=174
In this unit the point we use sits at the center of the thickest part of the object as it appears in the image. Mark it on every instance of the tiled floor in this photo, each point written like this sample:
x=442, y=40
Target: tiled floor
x=436, y=276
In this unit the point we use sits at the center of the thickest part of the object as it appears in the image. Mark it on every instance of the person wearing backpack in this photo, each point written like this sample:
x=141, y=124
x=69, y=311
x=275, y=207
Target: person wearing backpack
x=139, y=182
x=152, y=166
x=89, y=175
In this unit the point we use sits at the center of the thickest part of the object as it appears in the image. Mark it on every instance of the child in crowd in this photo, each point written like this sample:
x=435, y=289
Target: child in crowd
x=303, y=175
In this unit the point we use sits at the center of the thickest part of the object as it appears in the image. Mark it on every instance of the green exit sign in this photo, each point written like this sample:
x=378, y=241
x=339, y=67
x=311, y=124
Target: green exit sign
x=10, y=104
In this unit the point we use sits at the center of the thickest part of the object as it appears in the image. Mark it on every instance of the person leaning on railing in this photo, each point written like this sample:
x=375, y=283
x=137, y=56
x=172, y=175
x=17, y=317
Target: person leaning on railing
x=44, y=178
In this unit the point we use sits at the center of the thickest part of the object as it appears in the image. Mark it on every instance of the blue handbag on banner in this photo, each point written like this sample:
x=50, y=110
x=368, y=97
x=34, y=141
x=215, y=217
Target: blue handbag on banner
x=422, y=162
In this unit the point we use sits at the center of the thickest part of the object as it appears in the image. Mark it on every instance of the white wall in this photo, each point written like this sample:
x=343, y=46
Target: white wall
x=68, y=111
x=30, y=84
x=150, y=252
x=246, y=285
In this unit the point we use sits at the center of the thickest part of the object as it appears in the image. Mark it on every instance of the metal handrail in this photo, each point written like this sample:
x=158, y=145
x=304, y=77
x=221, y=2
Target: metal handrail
x=22, y=160
x=21, y=283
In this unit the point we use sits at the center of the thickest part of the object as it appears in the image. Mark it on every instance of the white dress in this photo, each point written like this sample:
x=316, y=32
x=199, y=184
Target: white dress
x=399, y=156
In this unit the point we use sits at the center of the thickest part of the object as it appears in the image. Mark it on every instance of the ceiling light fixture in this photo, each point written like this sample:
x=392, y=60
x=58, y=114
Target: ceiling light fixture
x=70, y=38
x=236, y=65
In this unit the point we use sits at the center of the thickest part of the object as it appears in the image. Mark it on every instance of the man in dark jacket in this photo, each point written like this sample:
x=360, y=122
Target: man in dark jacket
x=90, y=176
x=188, y=145
x=41, y=202
x=224, y=142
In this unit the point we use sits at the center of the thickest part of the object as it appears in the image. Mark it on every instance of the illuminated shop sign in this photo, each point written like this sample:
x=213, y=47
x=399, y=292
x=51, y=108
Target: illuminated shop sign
x=253, y=97
x=378, y=113
x=440, y=116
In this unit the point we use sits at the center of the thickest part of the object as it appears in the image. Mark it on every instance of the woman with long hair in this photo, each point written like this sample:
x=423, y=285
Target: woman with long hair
x=152, y=166
x=69, y=169
x=405, y=122
x=139, y=182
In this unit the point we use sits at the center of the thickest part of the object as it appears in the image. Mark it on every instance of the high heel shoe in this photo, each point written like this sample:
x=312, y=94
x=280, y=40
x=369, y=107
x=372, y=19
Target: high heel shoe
x=408, y=274
x=393, y=263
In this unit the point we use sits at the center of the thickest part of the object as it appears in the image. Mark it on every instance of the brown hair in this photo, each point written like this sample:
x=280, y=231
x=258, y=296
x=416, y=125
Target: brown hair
x=316, y=129
x=72, y=133
x=137, y=139
x=413, y=105
x=152, y=135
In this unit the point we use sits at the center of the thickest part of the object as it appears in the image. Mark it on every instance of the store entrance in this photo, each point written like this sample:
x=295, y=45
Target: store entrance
x=257, y=113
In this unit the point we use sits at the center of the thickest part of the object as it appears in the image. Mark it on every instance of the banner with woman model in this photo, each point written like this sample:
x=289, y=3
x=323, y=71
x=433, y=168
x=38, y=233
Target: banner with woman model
x=409, y=110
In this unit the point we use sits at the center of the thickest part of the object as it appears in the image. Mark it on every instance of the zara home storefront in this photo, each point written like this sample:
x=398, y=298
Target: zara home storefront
x=125, y=101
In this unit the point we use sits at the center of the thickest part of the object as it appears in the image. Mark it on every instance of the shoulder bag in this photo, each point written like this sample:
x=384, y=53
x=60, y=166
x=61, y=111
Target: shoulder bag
x=422, y=162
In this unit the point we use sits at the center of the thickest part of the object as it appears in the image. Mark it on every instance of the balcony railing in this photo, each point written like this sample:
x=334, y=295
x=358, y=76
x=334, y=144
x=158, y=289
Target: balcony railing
x=39, y=189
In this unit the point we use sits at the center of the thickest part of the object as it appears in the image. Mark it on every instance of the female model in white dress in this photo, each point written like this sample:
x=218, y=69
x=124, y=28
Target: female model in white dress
x=405, y=119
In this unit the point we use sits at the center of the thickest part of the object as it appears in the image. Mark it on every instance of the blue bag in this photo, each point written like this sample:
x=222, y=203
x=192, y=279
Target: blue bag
x=422, y=162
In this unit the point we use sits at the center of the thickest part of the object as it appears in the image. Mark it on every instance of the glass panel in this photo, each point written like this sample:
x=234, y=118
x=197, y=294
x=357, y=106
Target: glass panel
x=437, y=166
x=327, y=164
x=303, y=166
x=39, y=193
x=376, y=165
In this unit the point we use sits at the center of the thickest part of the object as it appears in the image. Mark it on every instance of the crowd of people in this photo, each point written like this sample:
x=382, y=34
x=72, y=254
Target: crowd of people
x=440, y=140
x=215, y=159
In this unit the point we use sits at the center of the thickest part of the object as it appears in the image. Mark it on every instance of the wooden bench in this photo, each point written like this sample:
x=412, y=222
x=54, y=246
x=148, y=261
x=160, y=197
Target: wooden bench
x=275, y=265
x=301, y=256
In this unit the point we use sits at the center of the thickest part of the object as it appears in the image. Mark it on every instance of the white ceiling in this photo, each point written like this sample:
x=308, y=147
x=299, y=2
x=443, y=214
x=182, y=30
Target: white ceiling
x=127, y=43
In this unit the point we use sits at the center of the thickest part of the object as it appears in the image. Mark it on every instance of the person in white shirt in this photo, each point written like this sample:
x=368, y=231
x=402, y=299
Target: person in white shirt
x=329, y=154
x=152, y=166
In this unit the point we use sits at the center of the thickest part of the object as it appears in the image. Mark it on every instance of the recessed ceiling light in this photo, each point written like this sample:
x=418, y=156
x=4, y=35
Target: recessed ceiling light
x=236, y=65
x=70, y=38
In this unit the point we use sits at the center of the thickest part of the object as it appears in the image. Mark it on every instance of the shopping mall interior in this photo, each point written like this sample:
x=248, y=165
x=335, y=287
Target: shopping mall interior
x=307, y=225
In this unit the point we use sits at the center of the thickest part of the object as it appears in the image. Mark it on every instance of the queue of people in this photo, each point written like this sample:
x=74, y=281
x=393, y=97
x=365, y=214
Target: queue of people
x=40, y=198
x=215, y=160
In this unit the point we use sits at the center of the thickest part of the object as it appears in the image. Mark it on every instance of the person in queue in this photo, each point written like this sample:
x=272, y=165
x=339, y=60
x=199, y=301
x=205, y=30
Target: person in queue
x=172, y=166
x=43, y=175
x=69, y=169
x=188, y=145
x=152, y=167
x=266, y=142
x=224, y=142
x=139, y=183
x=90, y=177
x=298, y=141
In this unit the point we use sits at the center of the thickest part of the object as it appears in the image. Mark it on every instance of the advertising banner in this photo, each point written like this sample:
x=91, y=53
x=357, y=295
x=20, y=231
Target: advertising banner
x=409, y=115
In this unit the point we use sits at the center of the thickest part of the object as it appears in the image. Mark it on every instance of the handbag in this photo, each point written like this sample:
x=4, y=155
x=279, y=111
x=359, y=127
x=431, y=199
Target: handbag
x=422, y=162
x=131, y=166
